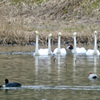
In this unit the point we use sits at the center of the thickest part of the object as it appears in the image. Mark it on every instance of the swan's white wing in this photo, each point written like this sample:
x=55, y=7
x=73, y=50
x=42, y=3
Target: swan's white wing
x=90, y=52
x=43, y=52
x=63, y=51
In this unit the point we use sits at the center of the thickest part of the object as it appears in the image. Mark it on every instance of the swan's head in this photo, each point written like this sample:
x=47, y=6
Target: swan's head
x=36, y=32
x=59, y=34
x=95, y=32
x=74, y=33
x=50, y=35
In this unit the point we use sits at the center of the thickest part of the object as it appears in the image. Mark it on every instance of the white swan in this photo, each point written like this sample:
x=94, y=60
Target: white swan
x=43, y=52
x=49, y=45
x=36, y=47
x=76, y=49
x=95, y=51
x=59, y=50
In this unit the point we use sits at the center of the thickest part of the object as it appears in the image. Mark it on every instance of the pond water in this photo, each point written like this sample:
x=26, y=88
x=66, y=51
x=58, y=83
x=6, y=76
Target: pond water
x=49, y=78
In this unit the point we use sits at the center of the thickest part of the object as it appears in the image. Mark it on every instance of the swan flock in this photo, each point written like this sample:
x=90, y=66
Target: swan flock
x=62, y=51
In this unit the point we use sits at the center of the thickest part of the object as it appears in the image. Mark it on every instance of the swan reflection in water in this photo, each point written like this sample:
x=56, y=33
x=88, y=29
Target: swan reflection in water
x=42, y=64
x=95, y=64
x=46, y=66
x=78, y=65
x=93, y=61
x=59, y=64
x=74, y=67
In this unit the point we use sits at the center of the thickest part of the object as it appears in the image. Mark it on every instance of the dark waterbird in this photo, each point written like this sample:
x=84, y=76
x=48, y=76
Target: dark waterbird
x=11, y=84
x=92, y=76
x=70, y=47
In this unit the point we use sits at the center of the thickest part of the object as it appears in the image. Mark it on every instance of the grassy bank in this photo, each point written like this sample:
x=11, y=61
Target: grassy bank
x=20, y=18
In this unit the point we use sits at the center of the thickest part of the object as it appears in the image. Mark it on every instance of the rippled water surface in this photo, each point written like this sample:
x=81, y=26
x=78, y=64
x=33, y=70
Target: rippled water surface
x=49, y=78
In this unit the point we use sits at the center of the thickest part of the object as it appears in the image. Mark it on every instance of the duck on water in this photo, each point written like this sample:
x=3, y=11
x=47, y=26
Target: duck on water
x=10, y=84
x=92, y=76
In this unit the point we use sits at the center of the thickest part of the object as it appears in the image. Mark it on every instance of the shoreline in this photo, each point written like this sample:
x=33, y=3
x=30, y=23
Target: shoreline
x=30, y=48
x=84, y=40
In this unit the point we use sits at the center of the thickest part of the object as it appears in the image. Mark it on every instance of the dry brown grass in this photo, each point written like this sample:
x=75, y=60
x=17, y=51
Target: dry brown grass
x=18, y=22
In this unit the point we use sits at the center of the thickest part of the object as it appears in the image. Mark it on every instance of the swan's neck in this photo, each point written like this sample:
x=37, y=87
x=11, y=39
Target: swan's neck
x=49, y=46
x=75, y=44
x=58, y=51
x=95, y=44
x=36, y=48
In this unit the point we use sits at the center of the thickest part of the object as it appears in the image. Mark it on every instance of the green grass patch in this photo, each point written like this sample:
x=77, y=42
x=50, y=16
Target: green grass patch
x=96, y=4
x=77, y=28
x=17, y=1
x=30, y=1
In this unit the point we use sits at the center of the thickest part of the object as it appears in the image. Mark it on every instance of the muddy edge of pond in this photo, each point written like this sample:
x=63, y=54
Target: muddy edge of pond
x=85, y=40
